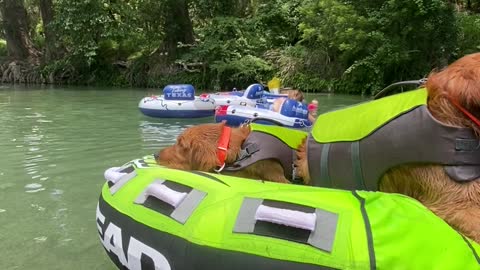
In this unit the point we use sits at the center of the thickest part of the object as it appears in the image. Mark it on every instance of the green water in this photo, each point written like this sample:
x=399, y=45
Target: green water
x=55, y=144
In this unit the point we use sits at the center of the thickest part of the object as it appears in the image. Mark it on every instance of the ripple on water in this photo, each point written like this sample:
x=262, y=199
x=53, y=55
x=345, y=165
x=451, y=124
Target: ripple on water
x=35, y=158
x=65, y=242
x=40, y=239
x=56, y=194
x=35, y=190
x=30, y=164
x=6, y=185
x=159, y=135
x=34, y=187
x=44, y=121
x=33, y=139
x=37, y=207
x=35, y=115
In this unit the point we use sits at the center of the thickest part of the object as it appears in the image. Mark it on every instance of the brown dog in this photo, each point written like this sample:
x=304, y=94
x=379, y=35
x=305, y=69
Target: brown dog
x=197, y=149
x=450, y=91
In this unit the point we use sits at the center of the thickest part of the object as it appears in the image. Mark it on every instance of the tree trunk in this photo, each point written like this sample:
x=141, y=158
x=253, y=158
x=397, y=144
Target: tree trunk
x=19, y=44
x=243, y=7
x=52, y=52
x=178, y=27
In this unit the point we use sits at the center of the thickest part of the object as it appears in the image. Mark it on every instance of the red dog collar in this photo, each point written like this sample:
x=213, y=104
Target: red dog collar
x=223, y=147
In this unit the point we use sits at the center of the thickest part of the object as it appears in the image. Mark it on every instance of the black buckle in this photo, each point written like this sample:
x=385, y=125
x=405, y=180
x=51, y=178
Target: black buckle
x=248, y=151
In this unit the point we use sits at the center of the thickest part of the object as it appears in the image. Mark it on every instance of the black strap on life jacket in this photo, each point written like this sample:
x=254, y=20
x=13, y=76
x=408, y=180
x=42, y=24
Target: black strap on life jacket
x=262, y=146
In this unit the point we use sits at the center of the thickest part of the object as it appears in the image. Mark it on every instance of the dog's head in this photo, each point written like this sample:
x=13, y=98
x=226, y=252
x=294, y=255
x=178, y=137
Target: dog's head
x=458, y=83
x=196, y=147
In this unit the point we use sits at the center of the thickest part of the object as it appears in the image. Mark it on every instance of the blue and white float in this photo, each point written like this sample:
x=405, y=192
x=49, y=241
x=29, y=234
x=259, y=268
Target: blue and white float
x=252, y=96
x=292, y=114
x=178, y=101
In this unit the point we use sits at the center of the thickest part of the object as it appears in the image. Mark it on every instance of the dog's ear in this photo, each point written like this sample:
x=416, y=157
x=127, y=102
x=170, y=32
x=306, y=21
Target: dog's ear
x=183, y=142
x=198, y=146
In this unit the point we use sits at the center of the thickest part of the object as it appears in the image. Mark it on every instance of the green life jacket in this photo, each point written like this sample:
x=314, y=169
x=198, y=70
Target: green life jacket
x=158, y=218
x=352, y=148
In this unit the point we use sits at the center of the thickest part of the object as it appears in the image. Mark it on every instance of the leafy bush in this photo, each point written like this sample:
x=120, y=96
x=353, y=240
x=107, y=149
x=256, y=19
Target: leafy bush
x=469, y=34
x=375, y=43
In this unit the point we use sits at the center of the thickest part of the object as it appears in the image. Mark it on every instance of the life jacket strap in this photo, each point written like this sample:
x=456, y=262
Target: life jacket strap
x=248, y=151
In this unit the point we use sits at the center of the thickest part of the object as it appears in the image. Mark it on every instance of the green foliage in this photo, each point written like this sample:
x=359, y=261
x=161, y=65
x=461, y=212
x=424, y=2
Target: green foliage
x=468, y=5
x=277, y=22
x=194, y=79
x=230, y=49
x=81, y=25
x=375, y=43
x=349, y=46
x=3, y=48
x=208, y=9
x=469, y=34
x=242, y=71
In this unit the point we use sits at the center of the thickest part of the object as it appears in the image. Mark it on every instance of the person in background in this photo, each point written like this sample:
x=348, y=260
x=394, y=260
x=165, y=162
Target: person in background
x=292, y=94
x=297, y=95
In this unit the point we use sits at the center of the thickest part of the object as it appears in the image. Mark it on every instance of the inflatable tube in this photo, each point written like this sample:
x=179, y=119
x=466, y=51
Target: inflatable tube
x=150, y=217
x=177, y=101
x=158, y=106
x=222, y=99
x=236, y=115
x=254, y=95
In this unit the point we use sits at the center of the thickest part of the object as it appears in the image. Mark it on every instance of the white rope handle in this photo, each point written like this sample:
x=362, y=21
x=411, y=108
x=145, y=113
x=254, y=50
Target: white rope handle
x=113, y=175
x=286, y=217
x=162, y=192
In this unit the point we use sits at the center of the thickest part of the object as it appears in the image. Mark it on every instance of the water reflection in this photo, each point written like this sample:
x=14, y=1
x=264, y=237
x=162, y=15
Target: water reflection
x=158, y=135
x=33, y=142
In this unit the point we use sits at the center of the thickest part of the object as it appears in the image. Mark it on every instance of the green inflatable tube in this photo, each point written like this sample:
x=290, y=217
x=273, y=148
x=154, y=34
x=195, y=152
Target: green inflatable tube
x=151, y=217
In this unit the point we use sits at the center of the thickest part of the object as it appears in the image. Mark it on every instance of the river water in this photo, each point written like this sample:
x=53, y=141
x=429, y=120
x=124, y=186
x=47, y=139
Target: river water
x=55, y=144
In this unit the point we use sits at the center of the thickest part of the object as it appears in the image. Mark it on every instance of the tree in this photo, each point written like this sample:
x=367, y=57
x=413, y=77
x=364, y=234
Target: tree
x=178, y=27
x=15, y=23
x=52, y=52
